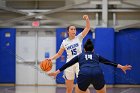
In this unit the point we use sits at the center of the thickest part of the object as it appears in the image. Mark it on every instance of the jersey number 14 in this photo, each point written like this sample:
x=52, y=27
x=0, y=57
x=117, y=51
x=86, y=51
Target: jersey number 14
x=88, y=57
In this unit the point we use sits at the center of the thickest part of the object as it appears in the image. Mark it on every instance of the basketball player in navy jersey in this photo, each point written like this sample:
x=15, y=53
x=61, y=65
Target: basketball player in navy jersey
x=90, y=71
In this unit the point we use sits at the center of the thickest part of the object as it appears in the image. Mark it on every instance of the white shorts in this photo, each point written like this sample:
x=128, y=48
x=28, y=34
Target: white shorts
x=70, y=72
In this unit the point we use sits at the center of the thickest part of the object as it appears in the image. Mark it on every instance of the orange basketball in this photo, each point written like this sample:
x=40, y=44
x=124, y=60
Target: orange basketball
x=46, y=65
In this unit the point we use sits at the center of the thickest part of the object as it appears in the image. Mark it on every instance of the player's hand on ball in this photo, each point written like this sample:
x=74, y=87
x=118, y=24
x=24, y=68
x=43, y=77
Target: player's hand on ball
x=48, y=59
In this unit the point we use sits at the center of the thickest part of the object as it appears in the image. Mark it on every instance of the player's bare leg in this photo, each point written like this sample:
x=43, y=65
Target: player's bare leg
x=69, y=86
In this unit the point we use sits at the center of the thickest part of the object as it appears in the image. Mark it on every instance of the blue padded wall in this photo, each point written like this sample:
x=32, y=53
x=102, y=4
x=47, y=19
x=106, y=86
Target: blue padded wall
x=7, y=55
x=127, y=51
x=60, y=36
x=104, y=46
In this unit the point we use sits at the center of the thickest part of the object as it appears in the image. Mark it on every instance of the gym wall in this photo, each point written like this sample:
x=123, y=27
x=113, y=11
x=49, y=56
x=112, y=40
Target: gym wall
x=7, y=55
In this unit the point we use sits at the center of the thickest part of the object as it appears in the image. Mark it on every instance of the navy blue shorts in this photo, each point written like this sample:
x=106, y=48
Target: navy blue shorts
x=89, y=76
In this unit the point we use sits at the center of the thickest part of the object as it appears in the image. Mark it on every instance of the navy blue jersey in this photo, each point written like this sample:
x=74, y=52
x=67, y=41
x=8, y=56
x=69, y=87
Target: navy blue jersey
x=88, y=59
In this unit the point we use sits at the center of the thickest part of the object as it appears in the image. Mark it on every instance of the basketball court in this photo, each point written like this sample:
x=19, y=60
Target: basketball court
x=56, y=89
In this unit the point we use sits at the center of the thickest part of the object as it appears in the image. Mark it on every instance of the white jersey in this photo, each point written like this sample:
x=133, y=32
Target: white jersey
x=73, y=47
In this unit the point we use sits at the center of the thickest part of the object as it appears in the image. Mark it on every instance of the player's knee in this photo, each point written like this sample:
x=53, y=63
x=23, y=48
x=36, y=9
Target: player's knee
x=69, y=89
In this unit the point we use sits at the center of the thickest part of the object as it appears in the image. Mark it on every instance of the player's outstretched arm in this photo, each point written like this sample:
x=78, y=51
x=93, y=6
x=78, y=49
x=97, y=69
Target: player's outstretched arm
x=108, y=62
x=87, y=28
x=68, y=64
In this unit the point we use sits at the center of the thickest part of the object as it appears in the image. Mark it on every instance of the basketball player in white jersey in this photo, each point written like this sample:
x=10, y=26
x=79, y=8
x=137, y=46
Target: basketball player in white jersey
x=73, y=47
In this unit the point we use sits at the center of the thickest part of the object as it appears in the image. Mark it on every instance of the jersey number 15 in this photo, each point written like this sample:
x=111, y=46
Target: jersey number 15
x=74, y=52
